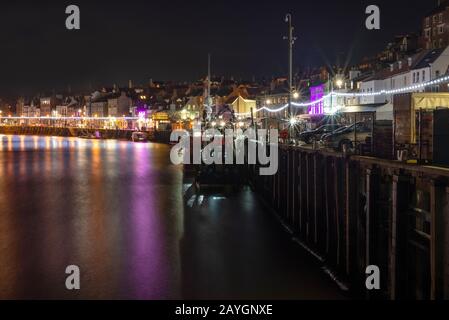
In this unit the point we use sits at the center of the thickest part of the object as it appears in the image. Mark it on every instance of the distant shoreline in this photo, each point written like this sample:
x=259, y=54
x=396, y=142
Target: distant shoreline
x=161, y=136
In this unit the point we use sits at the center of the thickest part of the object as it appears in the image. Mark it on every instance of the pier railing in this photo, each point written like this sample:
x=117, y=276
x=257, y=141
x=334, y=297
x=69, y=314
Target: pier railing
x=355, y=212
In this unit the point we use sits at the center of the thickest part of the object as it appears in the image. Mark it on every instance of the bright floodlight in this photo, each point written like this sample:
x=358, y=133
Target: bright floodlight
x=339, y=83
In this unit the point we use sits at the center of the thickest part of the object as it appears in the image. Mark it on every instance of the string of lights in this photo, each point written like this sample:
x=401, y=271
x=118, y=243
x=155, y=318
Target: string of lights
x=362, y=94
x=69, y=118
x=395, y=91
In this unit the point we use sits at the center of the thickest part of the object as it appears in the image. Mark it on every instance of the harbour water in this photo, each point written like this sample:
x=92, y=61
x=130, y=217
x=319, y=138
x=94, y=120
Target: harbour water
x=116, y=209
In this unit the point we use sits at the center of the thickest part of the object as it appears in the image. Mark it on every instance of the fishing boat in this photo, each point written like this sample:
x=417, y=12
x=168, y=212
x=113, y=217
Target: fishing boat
x=140, y=136
x=91, y=136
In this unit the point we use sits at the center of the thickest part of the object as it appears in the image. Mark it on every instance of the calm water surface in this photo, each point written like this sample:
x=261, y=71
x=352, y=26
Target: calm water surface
x=116, y=210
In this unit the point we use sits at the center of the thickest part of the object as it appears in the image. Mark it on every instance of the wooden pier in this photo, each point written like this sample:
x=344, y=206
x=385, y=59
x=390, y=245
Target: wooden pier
x=358, y=211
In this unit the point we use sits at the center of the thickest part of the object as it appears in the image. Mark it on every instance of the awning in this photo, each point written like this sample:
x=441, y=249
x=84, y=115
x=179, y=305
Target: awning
x=361, y=108
x=311, y=116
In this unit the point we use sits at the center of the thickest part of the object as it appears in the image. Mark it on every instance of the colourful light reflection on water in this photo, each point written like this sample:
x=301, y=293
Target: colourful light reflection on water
x=90, y=203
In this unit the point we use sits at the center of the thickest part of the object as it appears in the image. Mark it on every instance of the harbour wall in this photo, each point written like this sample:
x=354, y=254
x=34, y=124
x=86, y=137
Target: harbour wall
x=353, y=212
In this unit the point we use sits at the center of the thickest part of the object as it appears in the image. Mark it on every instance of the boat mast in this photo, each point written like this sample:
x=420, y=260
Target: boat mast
x=208, y=100
x=208, y=80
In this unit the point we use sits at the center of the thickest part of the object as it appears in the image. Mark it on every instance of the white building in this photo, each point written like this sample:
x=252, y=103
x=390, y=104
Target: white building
x=417, y=69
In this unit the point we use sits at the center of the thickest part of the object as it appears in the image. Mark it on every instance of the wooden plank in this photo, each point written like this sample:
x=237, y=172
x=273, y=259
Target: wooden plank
x=351, y=215
x=437, y=203
x=400, y=199
x=327, y=203
x=337, y=192
x=371, y=192
x=445, y=248
x=315, y=199
x=309, y=187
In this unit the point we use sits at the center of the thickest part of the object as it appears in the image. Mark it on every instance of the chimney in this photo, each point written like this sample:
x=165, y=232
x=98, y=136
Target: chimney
x=130, y=84
x=410, y=61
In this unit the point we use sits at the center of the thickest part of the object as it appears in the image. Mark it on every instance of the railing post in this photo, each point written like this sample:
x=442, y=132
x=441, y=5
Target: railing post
x=398, y=237
x=337, y=211
x=317, y=209
x=371, y=219
x=371, y=229
x=351, y=192
x=445, y=226
x=302, y=192
x=437, y=203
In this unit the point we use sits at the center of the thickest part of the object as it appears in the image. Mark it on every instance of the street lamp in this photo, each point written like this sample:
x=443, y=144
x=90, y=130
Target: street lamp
x=339, y=83
x=296, y=95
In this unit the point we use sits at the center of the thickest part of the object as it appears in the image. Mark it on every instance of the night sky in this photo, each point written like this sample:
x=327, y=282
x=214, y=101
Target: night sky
x=170, y=39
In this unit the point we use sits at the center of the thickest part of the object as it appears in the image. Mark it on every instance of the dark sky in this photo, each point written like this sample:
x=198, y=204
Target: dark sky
x=170, y=39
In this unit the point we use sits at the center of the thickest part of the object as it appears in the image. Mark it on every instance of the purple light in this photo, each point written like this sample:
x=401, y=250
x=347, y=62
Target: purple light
x=316, y=93
x=142, y=114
